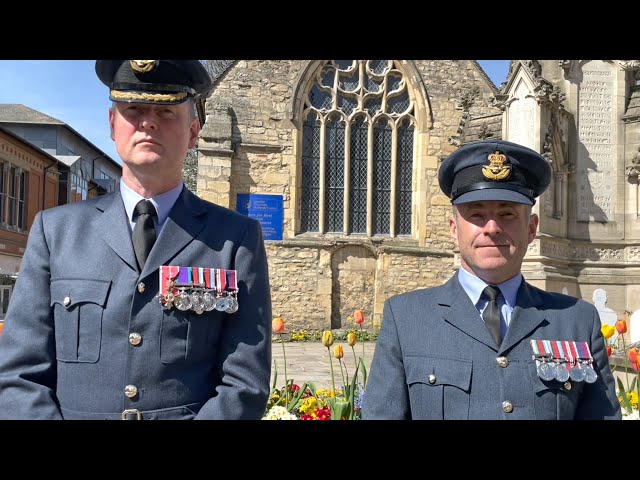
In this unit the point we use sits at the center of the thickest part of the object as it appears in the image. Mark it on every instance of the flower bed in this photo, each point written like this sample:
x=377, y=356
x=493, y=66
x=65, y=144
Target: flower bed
x=306, y=402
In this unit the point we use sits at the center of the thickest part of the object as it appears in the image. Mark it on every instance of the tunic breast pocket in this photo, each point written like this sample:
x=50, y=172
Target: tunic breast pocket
x=78, y=307
x=188, y=336
x=439, y=387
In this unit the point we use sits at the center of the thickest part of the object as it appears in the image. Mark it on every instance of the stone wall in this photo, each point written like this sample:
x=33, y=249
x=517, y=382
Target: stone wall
x=250, y=144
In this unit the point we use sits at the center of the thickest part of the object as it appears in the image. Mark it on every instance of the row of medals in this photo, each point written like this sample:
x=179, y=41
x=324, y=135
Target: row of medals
x=199, y=299
x=555, y=369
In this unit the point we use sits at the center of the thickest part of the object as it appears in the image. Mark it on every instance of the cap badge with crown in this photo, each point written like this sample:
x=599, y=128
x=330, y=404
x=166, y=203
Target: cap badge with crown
x=143, y=66
x=497, y=169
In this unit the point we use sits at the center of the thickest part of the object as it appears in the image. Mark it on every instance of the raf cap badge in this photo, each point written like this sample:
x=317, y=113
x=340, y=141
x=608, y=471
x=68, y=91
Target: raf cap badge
x=143, y=66
x=497, y=169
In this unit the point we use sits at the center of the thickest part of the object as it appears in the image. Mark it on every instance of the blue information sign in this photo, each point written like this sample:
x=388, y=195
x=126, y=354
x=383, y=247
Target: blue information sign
x=267, y=209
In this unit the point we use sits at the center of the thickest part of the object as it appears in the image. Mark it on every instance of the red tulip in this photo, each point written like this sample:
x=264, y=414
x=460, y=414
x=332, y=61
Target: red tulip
x=358, y=317
x=609, y=351
x=621, y=326
x=277, y=325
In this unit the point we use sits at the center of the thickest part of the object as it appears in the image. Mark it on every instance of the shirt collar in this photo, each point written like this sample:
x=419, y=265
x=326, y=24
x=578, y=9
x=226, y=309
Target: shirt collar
x=474, y=286
x=163, y=202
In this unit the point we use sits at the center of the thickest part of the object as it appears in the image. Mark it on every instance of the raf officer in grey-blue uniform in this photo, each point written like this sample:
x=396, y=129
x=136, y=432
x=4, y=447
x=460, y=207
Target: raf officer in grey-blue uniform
x=86, y=335
x=487, y=344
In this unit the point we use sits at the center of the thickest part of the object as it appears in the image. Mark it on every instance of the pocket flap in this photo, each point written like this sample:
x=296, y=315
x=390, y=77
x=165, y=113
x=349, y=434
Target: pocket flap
x=70, y=292
x=447, y=371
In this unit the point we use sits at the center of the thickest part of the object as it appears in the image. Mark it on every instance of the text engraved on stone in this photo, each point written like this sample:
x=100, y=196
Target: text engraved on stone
x=596, y=186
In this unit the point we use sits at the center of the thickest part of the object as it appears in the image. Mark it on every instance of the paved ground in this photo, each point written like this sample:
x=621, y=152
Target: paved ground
x=309, y=361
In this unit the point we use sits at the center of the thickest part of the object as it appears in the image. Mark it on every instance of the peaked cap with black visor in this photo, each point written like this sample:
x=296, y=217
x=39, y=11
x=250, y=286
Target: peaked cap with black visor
x=159, y=82
x=494, y=170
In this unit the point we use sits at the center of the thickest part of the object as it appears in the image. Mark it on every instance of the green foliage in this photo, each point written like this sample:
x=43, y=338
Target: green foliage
x=190, y=170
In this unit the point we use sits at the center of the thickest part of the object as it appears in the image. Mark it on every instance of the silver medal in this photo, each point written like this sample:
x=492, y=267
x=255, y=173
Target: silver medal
x=183, y=301
x=208, y=301
x=560, y=372
x=577, y=373
x=546, y=371
x=590, y=375
x=233, y=305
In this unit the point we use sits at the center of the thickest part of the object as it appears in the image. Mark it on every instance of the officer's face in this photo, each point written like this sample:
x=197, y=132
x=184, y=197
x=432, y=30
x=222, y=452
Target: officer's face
x=493, y=237
x=154, y=139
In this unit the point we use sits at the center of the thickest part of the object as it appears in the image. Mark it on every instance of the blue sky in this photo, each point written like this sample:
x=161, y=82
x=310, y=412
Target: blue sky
x=70, y=91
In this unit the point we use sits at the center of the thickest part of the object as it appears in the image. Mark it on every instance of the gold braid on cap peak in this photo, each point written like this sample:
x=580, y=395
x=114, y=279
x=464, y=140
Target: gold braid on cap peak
x=497, y=169
x=154, y=97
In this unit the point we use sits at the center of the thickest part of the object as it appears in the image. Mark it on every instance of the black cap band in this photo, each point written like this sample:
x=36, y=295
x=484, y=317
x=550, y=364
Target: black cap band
x=527, y=192
x=151, y=87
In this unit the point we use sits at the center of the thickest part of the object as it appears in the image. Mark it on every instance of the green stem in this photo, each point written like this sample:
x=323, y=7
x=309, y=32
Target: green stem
x=343, y=373
x=626, y=363
x=362, y=335
x=355, y=360
x=286, y=381
x=333, y=381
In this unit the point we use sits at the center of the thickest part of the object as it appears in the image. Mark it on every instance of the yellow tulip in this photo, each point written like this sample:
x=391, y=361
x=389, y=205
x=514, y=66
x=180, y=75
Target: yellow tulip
x=338, y=352
x=327, y=338
x=351, y=339
x=607, y=331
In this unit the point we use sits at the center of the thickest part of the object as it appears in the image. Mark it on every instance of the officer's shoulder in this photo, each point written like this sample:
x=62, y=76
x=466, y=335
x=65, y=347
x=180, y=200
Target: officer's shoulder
x=77, y=208
x=418, y=295
x=557, y=300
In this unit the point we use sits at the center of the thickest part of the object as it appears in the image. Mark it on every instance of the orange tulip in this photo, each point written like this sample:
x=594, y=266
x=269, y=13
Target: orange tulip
x=351, y=339
x=633, y=355
x=338, y=352
x=358, y=317
x=277, y=325
x=327, y=338
x=621, y=326
x=1, y=326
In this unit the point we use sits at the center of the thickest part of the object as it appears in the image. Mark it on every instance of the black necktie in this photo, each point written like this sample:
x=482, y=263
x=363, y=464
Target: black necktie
x=144, y=233
x=491, y=313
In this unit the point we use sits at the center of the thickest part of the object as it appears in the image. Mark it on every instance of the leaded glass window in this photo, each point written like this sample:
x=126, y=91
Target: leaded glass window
x=358, y=177
x=334, y=176
x=404, y=187
x=309, y=211
x=358, y=137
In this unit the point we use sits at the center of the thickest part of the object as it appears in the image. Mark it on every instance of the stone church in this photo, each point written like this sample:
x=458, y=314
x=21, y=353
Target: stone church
x=345, y=154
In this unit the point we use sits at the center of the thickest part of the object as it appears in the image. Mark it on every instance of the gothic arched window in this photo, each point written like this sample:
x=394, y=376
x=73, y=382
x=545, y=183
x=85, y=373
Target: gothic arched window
x=357, y=150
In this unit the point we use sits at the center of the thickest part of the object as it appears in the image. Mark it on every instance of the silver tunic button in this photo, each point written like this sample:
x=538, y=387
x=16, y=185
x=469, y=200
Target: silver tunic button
x=135, y=339
x=141, y=287
x=507, y=406
x=432, y=379
x=66, y=302
x=502, y=362
x=130, y=391
x=567, y=385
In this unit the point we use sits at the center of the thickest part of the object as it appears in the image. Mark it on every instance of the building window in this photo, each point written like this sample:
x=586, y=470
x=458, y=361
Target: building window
x=357, y=150
x=5, y=295
x=13, y=188
x=3, y=191
x=79, y=185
